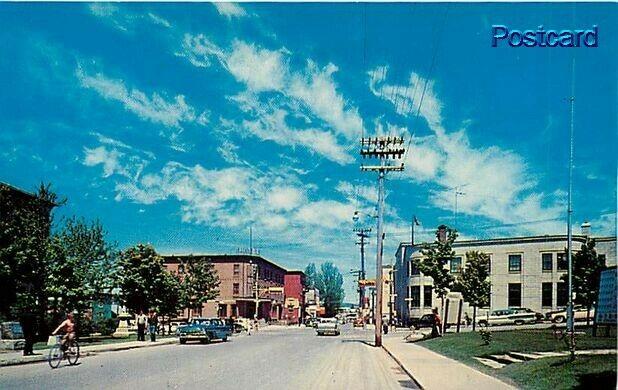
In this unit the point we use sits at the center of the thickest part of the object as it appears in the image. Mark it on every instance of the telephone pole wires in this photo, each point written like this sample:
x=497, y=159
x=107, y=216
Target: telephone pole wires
x=384, y=149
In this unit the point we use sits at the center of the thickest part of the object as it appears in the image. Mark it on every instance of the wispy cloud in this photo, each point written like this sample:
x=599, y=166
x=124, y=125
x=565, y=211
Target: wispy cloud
x=230, y=10
x=124, y=19
x=497, y=183
x=155, y=108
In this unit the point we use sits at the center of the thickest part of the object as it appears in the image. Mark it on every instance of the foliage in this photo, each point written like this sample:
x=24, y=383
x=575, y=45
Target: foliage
x=199, y=282
x=435, y=258
x=473, y=281
x=311, y=275
x=141, y=278
x=168, y=300
x=80, y=265
x=587, y=267
x=485, y=335
x=329, y=282
x=24, y=229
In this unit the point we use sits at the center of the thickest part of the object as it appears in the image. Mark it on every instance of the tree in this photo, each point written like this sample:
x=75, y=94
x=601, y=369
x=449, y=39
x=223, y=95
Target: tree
x=310, y=275
x=199, y=283
x=141, y=278
x=473, y=282
x=587, y=267
x=80, y=265
x=168, y=300
x=25, y=224
x=329, y=282
x=435, y=259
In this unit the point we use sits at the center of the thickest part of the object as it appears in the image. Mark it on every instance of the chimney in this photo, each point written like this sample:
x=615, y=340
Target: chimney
x=586, y=228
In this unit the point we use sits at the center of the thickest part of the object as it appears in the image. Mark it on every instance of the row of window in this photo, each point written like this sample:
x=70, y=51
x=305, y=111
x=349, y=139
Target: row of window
x=562, y=294
x=266, y=274
x=514, y=261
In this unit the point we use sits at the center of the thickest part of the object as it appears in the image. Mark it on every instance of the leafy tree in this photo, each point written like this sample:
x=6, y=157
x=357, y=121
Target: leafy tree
x=587, y=267
x=473, y=282
x=80, y=265
x=168, y=300
x=329, y=282
x=435, y=259
x=24, y=232
x=141, y=278
x=199, y=283
x=310, y=275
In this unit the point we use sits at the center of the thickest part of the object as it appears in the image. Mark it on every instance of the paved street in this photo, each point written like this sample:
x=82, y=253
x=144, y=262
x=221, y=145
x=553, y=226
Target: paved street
x=274, y=358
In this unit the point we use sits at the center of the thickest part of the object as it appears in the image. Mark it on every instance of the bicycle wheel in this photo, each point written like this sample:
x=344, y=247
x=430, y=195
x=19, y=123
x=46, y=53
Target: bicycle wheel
x=73, y=353
x=55, y=356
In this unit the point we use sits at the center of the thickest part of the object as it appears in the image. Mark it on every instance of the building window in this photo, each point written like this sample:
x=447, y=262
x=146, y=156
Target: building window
x=415, y=296
x=562, y=294
x=546, y=294
x=514, y=263
x=236, y=288
x=413, y=269
x=455, y=264
x=514, y=294
x=562, y=263
x=547, y=260
x=427, y=298
x=236, y=269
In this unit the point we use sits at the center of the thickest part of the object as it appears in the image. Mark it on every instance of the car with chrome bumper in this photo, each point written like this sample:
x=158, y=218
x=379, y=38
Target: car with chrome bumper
x=204, y=330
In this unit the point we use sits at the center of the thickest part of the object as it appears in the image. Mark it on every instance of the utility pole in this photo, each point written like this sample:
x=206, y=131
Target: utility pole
x=382, y=148
x=362, y=234
x=571, y=320
x=414, y=223
x=457, y=194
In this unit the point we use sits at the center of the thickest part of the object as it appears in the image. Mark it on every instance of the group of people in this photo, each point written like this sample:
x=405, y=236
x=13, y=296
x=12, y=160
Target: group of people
x=150, y=321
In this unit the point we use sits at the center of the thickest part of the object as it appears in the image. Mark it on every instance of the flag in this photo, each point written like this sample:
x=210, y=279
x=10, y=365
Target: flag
x=416, y=222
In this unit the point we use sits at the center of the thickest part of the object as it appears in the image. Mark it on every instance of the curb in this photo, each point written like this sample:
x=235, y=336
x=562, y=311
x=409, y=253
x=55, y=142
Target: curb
x=403, y=367
x=112, y=348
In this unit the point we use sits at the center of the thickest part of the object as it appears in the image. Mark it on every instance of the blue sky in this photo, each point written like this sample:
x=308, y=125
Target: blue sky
x=184, y=124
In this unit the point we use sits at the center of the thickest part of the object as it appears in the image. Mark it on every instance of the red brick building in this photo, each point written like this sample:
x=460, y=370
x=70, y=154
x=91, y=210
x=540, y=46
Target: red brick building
x=294, y=296
x=236, y=292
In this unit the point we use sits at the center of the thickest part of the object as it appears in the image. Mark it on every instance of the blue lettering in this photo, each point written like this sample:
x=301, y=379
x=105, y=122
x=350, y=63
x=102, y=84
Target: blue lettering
x=504, y=32
x=594, y=37
x=515, y=39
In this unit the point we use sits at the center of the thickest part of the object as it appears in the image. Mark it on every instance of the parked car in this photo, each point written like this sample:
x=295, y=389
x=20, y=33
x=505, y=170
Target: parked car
x=580, y=313
x=424, y=322
x=204, y=330
x=539, y=316
x=508, y=317
x=328, y=326
x=241, y=324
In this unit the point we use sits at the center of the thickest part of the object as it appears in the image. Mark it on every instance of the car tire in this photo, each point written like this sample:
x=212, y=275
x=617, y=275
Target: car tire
x=183, y=341
x=483, y=323
x=558, y=319
x=224, y=339
x=519, y=322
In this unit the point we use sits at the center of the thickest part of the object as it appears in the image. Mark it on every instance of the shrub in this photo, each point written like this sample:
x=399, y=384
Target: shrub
x=485, y=335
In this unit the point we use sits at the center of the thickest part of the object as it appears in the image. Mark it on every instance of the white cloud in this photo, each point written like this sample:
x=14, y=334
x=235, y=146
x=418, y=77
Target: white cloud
x=285, y=198
x=110, y=159
x=159, y=20
x=327, y=213
x=497, y=183
x=310, y=93
x=229, y=10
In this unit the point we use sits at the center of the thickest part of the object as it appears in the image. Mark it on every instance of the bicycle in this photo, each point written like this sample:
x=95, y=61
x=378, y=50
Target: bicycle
x=57, y=353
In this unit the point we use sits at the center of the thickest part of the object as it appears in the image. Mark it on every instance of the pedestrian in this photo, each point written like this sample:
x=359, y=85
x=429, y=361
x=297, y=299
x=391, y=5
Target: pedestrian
x=141, y=326
x=153, y=322
x=436, y=323
x=28, y=322
x=385, y=327
x=467, y=319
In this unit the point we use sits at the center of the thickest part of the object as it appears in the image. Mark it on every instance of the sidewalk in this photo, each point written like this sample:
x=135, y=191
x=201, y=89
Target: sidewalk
x=434, y=371
x=15, y=358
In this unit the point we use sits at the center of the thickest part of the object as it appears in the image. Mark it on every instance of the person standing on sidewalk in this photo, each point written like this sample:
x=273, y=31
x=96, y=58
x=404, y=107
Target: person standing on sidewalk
x=436, y=323
x=153, y=322
x=141, y=326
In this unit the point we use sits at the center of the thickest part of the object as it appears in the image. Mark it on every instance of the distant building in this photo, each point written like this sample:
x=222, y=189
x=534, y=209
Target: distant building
x=294, y=285
x=236, y=292
x=312, y=303
x=524, y=272
x=388, y=293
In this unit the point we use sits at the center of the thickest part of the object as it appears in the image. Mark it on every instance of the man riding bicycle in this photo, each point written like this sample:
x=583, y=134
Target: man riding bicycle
x=68, y=328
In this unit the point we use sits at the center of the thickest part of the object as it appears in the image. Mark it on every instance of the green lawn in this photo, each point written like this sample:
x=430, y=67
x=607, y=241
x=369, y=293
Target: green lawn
x=548, y=373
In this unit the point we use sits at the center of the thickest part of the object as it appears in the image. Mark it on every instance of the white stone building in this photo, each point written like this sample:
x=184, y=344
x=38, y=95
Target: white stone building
x=524, y=272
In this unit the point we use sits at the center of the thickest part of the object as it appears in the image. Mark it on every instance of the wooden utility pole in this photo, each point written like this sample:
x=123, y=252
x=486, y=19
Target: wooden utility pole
x=362, y=234
x=382, y=148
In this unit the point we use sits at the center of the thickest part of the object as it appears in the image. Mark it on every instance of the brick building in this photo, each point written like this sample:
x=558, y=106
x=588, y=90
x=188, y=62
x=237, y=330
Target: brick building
x=236, y=292
x=294, y=286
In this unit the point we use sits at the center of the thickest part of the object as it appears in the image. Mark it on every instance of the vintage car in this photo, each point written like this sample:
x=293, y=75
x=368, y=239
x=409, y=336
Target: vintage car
x=580, y=313
x=204, y=330
x=328, y=326
x=508, y=317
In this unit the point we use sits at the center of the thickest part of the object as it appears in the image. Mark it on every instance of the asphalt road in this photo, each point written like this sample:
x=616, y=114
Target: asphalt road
x=274, y=358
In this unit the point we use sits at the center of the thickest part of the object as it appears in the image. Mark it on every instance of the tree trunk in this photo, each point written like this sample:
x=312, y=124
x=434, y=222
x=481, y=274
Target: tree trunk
x=474, y=318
